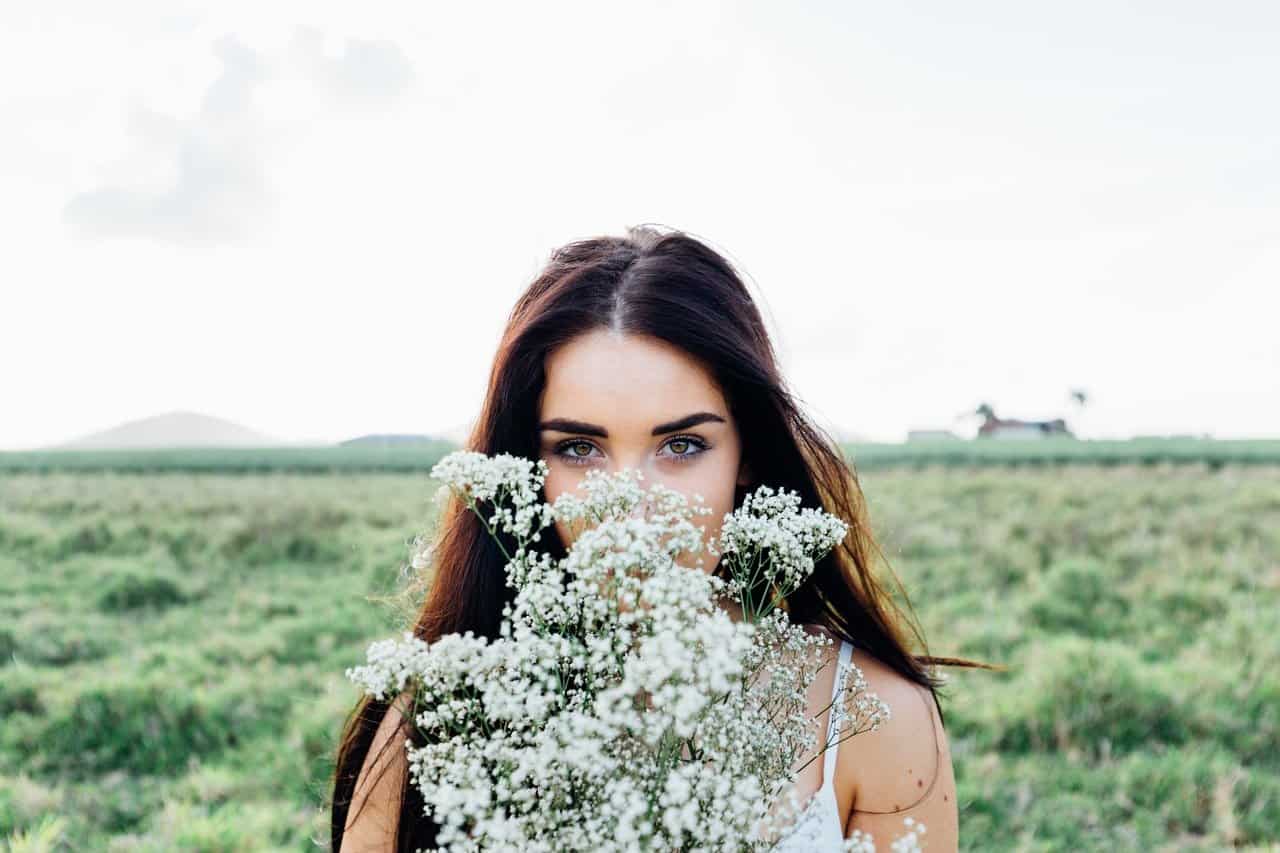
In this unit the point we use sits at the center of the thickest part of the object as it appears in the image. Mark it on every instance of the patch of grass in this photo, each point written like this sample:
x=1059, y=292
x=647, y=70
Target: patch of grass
x=174, y=647
x=1080, y=596
x=136, y=592
x=152, y=728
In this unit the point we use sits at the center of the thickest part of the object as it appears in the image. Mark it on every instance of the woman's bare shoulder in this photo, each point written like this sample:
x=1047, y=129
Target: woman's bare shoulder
x=903, y=769
x=374, y=814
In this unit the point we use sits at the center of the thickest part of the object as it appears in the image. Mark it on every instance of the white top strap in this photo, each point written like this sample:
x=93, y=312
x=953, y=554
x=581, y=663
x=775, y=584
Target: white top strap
x=829, y=758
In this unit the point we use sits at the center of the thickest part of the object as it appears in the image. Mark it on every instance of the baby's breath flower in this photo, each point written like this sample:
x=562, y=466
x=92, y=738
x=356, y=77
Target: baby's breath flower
x=619, y=707
x=479, y=479
x=769, y=537
x=909, y=842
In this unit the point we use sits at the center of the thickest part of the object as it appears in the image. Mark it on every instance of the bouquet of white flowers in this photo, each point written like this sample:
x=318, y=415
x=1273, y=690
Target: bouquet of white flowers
x=622, y=708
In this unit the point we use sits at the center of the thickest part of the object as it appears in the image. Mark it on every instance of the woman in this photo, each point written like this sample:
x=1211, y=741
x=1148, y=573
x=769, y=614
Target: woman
x=647, y=352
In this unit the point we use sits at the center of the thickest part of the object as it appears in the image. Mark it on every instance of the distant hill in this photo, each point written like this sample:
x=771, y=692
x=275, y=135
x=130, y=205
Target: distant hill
x=456, y=434
x=173, y=429
x=389, y=440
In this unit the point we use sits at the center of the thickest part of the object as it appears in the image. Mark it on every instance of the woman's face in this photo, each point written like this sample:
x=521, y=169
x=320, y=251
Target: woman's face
x=614, y=401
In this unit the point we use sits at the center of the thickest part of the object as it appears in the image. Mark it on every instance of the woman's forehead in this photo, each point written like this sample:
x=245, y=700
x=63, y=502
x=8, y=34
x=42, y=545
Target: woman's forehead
x=626, y=379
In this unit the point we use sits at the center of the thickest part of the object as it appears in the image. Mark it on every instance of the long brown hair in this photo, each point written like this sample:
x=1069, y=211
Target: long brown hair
x=669, y=285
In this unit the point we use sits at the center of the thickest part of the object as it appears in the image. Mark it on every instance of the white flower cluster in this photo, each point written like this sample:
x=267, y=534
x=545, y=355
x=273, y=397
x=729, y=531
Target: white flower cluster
x=909, y=842
x=478, y=479
x=772, y=537
x=619, y=708
x=854, y=704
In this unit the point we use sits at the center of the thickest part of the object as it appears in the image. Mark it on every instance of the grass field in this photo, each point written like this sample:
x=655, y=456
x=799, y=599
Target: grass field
x=420, y=457
x=172, y=644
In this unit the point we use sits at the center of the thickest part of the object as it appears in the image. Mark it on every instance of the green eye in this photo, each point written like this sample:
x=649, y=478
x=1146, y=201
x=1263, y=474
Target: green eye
x=568, y=451
x=680, y=447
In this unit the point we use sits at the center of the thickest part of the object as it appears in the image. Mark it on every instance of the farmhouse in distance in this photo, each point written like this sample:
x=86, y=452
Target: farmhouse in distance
x=994, y=426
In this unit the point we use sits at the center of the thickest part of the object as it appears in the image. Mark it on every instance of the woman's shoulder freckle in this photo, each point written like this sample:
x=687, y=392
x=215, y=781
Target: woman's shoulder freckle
x=910, y=736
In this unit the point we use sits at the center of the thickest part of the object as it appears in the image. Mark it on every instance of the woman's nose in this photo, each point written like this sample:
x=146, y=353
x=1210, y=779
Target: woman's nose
x=637, y=462
x=649, y=474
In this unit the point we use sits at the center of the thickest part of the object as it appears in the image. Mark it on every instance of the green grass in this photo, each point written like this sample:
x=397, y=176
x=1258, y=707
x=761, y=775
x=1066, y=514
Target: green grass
x=867, y=456
x=172, y=648
x=1066, y=451
x=1138, y=609
x=319, y=460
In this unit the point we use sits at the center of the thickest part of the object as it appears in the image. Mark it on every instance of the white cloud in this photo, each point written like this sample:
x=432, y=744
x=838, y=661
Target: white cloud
x=318, y=227
x=365, y=70
x=216, y=191
x=205, y=179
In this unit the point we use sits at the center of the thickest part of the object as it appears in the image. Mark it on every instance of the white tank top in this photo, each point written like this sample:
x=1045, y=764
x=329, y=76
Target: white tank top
x=818, y=827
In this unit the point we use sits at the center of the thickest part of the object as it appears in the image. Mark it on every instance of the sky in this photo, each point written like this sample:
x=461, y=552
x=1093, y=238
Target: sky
x=313, y=218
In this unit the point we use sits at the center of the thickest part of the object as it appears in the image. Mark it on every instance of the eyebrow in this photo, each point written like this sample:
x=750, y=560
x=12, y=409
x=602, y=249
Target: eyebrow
x=570, y=425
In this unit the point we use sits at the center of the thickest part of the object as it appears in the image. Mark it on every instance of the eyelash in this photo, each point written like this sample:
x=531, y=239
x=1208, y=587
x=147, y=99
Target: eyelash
x=570, y=459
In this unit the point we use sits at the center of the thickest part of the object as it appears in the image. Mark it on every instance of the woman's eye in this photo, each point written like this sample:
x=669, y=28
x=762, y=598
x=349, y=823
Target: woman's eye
x=683, y=448
x=686, y=447
x=569, y=452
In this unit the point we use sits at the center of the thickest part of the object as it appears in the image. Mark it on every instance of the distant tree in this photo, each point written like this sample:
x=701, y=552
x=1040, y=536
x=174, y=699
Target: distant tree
x=1080, y=397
